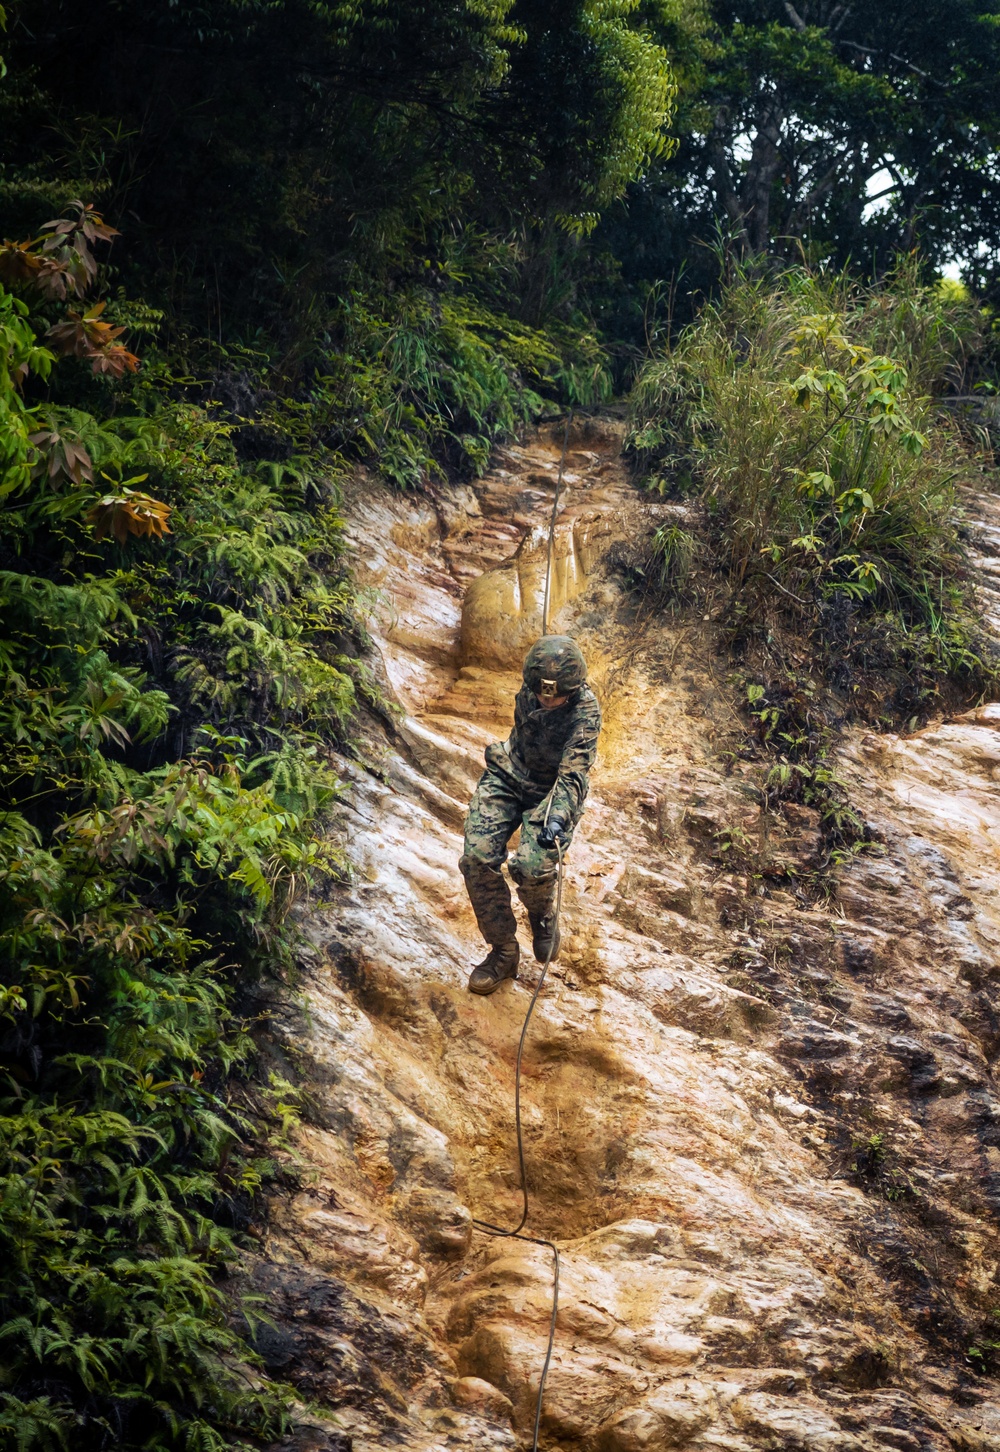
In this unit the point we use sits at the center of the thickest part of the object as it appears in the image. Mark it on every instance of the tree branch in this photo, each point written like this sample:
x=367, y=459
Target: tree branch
x=896, y=186
x=867, y=50
x=819, y=189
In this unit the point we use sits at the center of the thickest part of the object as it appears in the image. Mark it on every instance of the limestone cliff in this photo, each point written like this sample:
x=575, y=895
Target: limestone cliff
x=762, y=1126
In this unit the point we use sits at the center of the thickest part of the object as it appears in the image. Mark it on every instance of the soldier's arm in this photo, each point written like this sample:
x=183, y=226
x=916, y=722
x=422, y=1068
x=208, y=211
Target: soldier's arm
x=521, y=710
x=570, y=790
x=524, y=704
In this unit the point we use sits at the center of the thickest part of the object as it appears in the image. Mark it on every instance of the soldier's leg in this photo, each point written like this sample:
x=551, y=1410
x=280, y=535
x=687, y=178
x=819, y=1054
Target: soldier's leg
x=494, y=813
x=535, y=868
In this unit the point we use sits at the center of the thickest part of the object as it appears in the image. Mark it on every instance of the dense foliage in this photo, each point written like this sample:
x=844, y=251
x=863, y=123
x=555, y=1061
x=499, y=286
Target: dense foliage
x=804, y=412
x=805, y=421
x=173, y=664
x=276, y=157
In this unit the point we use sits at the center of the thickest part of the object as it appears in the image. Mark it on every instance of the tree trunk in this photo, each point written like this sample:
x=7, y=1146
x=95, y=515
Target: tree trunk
x=765, y=160
x=725, y=189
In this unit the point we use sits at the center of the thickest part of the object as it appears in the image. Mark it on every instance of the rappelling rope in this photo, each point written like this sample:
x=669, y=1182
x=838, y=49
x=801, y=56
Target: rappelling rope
x=552, y=530
x=516, y=1233
x=485, y=1225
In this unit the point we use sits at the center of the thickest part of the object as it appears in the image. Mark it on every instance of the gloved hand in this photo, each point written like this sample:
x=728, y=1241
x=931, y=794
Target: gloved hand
x=554, y=831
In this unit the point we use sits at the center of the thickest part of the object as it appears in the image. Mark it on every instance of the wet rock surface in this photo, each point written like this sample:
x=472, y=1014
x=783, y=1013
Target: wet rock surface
x=761, y=1124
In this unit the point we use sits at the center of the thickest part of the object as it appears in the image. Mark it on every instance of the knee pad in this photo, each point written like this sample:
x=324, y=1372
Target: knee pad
x=523, y=875
x=469, y=865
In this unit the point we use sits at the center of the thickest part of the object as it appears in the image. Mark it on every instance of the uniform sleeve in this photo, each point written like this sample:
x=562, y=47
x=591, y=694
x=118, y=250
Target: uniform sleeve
x=524, y=703
x=521, y=709
x=570, y=790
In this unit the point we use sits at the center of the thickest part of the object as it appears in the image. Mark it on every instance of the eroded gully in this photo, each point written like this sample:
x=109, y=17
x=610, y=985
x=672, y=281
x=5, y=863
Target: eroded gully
x=763, y=1129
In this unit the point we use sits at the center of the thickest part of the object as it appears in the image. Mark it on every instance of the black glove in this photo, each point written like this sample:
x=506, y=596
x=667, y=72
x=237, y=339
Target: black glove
x=554, y=831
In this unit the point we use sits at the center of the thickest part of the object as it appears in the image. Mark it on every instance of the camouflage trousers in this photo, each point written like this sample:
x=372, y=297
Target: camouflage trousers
x=499, y=806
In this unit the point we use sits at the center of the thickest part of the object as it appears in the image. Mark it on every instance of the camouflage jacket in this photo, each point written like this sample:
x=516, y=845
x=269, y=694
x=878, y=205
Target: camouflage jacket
x=556, y=748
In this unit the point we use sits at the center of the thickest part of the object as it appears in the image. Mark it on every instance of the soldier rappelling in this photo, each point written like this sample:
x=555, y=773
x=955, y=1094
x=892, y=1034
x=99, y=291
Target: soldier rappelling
x=536, y=780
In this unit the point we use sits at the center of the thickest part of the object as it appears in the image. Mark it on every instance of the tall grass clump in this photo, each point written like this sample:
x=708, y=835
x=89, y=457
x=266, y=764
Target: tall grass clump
x=801, y=410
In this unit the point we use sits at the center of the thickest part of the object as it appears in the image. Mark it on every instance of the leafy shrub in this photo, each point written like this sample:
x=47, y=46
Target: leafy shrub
x=426, y=384
x=673, y=551
x=802, y=408
x=175, y=653
x=790, y=726
x=658, y=565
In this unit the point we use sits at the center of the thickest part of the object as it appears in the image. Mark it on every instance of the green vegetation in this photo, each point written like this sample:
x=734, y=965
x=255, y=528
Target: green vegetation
x=173, y=673
x=801, y=411
x=842, y=136
x=425, y=386
x=332, y=186
x=983, y=1355
x=878, y=1168
x=799, y=416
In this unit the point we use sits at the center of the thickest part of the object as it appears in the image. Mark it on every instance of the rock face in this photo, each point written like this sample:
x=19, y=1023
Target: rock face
x=761, y=1126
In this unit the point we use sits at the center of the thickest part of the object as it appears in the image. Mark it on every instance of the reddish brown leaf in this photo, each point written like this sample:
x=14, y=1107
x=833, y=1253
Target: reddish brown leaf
x=114, y=361
x=60, y=259
x=61, y=457
x=21, y=267
x=87, y=337
x=129, y=512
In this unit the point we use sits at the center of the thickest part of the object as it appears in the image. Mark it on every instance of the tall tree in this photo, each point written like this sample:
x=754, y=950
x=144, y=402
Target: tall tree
x=852, y=131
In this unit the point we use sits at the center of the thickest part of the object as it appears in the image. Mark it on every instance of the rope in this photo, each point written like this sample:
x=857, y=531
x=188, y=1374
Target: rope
x=552, y=527
x=496, y=1230
x=485, y=1225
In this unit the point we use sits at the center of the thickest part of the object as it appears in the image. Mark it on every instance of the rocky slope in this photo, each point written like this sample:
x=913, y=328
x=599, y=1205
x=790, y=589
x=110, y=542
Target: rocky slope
x=762, y=1127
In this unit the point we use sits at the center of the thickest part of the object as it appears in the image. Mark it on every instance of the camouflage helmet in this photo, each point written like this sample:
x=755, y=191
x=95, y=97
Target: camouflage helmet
x=554, y=666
